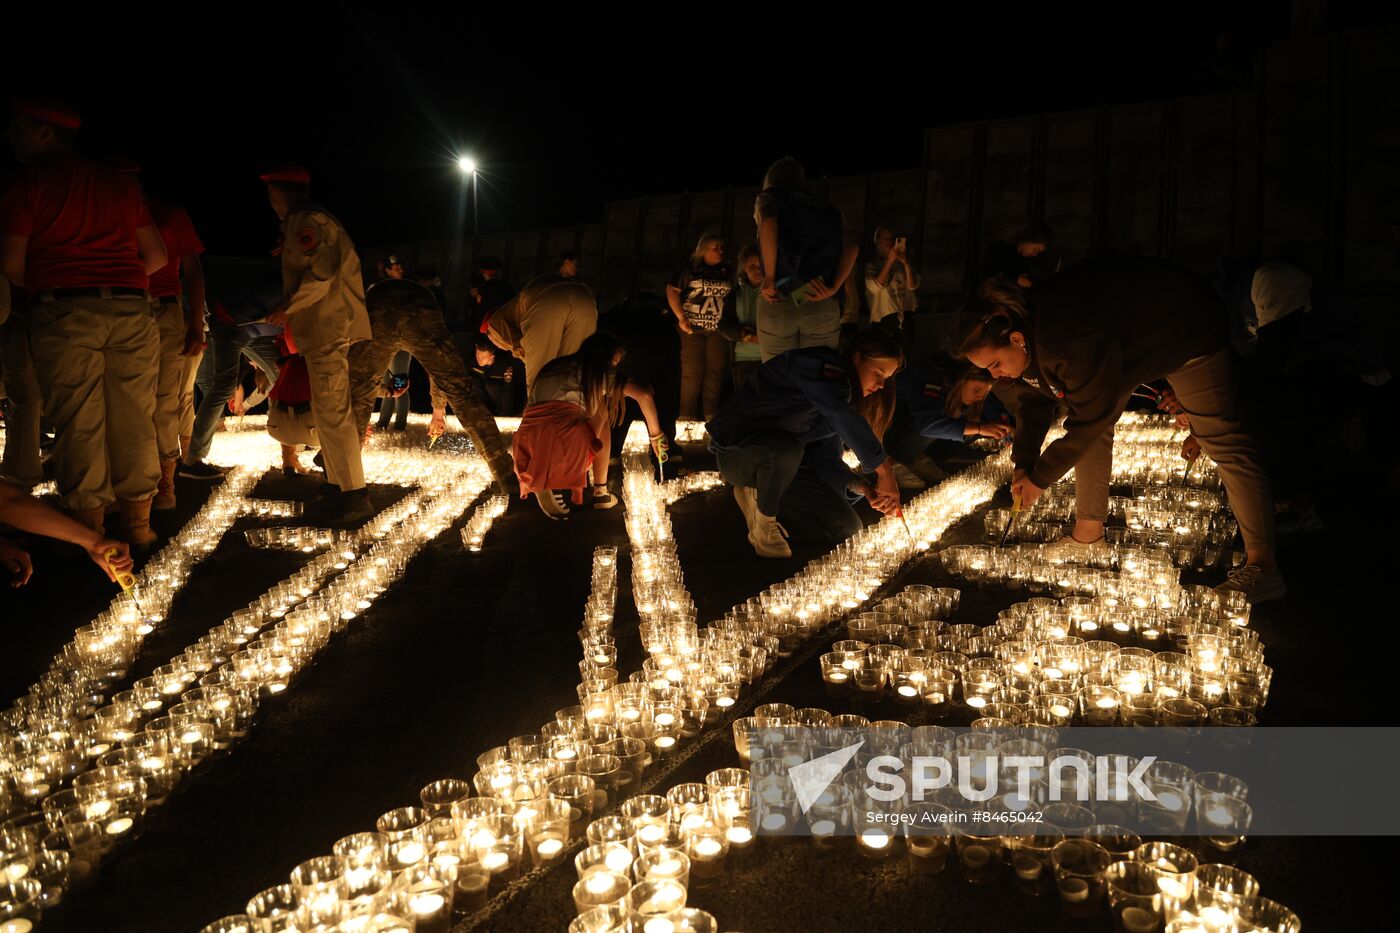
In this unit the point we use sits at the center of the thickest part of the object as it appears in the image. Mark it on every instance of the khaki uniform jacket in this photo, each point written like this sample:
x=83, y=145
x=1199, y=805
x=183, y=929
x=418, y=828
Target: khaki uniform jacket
x=505, y=328
x=321, y=279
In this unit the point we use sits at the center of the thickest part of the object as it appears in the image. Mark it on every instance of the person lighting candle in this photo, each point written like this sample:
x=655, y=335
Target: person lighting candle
x=1089, y=337
x=779, y=439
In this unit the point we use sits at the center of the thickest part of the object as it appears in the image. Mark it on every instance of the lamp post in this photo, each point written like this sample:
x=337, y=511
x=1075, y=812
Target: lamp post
x=467, y=165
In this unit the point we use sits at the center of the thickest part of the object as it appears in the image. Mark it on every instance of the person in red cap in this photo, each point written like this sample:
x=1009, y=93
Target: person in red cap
x=181, y=327
x=324, y=310
x=79, y=239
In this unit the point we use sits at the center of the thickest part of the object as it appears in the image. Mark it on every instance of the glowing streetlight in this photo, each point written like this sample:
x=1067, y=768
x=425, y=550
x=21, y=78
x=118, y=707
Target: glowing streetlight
x=467, y=164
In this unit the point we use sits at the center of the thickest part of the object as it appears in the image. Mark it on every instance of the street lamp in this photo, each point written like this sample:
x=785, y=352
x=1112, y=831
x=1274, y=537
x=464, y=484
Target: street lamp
x=467, y=165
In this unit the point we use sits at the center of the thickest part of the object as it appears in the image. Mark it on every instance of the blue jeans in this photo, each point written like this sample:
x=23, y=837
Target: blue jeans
x=788, y=489
x=227, y=345
x=389, y=407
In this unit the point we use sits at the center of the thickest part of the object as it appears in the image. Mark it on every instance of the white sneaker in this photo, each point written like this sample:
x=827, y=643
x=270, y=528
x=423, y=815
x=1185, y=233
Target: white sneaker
x=747, y=497
x=1253, y=582
x=1068, y=550
x=767, y=536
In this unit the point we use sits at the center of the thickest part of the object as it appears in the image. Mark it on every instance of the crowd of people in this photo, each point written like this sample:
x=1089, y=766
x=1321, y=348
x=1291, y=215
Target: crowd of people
x=116, y=324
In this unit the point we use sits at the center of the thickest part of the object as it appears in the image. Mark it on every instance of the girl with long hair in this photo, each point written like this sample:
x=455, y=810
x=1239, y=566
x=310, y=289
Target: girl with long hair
x=936, y=413
x=573, y=405
x=779, y=439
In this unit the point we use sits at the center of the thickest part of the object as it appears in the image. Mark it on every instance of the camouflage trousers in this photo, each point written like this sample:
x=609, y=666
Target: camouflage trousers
x=423, y=333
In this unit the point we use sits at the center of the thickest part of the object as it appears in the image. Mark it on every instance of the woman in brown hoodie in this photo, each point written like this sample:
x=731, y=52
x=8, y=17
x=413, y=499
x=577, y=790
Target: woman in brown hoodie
x=1089, y=337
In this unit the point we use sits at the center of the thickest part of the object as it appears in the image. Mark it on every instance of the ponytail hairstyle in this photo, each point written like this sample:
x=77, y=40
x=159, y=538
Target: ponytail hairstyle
x=874, y=343
x=1002, y=310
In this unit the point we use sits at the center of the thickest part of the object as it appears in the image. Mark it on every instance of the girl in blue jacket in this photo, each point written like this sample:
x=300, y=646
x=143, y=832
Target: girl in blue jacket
x=779, y=439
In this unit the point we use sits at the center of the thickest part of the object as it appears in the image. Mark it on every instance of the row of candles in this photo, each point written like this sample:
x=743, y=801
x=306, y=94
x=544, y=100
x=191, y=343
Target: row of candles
x=482, y=518
x=594, y=753
x=597, y=752
x=1080, y=853
x=132, y=754
x=1039, y=664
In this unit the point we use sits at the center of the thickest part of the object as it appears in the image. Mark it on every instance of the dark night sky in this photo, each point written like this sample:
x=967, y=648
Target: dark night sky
x=377, y=105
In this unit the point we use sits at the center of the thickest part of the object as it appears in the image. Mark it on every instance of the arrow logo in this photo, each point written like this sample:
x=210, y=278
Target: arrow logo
x=811, y=779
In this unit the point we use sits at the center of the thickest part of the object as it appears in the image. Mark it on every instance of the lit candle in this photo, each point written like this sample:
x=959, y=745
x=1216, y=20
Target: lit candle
x=427, y=903
x=411, y=854
x=495, y=862
x=119, y=826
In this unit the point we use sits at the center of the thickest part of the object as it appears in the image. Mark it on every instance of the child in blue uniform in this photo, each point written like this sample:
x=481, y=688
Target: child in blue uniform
x=936, y=413
x=779, y=439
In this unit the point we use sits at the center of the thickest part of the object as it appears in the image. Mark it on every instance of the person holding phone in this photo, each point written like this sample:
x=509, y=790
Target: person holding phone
x=890, y=284
x=1089, y=337
x=808, y=254
x=779, y=440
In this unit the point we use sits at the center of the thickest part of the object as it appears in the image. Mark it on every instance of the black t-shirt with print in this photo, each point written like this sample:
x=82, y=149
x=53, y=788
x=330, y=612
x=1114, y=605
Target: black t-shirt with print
x=705, y=290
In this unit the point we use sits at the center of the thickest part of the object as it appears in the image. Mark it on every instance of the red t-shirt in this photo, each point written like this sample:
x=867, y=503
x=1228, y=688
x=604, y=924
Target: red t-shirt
x=81, y=219
x=180, y=241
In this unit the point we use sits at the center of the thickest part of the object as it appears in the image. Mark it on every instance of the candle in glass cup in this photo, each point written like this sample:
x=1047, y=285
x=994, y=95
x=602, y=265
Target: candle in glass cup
x=708, y=850
x=1079, y=876
x=600, y=888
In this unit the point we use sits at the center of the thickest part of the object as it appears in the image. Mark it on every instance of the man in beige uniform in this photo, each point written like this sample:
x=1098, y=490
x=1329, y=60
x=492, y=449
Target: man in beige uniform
x=78, y=238
x=324, y=313
x=550, y=318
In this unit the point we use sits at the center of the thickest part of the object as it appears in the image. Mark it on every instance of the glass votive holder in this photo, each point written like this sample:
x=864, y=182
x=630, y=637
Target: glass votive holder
x=496, y=844
x=582, y=795
x=320, y=887
x=1133, y=900
x=612, y=919
x=1098, y=705
x=21, y=904
x=1180, y=712
x=438, y=797
x=662, y=863
x=708, y=850
x=404, y=834
x=425, y=895
x=744, y=729
x=82, y=842
x=1079, y=876
x=1120, y=841
x=549, y=833
x=607, y=856
x=1271, y=917
x=1173, y=869
x=928, y=836
x=1222, y=821
x=938, y=691
x=1225, y=889
x=978, y=856
x=651, y=899
x=1030, y=861
x=602, y=888
x=114, y=799
x=611, y=828
x=274, y=910
x=233, y=923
